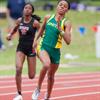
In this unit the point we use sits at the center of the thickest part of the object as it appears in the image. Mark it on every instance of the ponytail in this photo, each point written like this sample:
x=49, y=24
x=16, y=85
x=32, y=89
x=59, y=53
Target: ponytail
x=36, y=17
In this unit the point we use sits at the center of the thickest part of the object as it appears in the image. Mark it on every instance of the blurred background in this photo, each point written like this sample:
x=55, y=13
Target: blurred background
x=83, y=55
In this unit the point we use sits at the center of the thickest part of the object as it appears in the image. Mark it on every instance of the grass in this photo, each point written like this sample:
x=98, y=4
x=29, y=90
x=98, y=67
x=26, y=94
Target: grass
x=93, y=3
x=60, y=70
x=78, y=69
x=83, y=46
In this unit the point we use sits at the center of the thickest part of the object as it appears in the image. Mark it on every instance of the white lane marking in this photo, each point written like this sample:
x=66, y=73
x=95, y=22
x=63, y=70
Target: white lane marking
x=56, y=82
x=64, y=88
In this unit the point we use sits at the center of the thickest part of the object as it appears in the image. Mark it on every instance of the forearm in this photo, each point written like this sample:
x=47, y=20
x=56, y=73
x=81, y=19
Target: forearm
x=14, y=30
x=40, y=33
x=67, y=37
x=67, y=32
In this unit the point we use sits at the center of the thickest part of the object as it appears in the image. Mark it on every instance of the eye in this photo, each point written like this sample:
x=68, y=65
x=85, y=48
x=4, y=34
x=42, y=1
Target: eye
x=65, y=6
x=26, y=7
x=60, y=4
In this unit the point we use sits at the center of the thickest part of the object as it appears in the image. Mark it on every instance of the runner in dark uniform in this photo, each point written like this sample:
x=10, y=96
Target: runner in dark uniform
x=26, y=37
x=27, y=26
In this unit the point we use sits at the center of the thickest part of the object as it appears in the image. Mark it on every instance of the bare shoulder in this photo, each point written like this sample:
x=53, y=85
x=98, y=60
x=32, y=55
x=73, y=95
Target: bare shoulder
x=36, y=22
x=68, y=23
x=47, y=17
x=18, y=20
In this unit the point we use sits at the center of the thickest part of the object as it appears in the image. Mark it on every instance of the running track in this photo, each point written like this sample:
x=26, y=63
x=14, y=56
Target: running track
x=76, y=86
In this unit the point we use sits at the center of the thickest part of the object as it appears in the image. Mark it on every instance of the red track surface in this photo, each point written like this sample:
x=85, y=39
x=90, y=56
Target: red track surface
x=77, y=86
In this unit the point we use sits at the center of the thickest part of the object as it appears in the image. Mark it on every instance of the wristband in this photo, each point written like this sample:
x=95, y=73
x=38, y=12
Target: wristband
x=62, y=32
x=9, y=34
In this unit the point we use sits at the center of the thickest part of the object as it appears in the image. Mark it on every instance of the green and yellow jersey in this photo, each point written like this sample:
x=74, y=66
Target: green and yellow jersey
x=52, y=36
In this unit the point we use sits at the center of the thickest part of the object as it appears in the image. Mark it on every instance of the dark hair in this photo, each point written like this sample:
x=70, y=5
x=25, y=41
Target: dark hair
x=34, y=16
x=66, y=1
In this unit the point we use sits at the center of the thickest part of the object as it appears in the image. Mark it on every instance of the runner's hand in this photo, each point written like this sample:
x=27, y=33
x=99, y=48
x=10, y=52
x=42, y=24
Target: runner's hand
x=9, y=37
x=35, y=44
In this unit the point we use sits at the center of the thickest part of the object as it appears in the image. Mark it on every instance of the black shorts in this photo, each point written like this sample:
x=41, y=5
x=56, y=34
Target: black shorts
x=27, y=50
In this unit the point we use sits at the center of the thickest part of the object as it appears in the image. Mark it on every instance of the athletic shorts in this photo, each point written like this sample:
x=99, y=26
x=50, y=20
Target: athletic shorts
x=54, y=53
x=27, y=50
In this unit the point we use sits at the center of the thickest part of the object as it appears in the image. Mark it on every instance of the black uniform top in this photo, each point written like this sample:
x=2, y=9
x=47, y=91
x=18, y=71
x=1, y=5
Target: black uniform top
x=26, y=33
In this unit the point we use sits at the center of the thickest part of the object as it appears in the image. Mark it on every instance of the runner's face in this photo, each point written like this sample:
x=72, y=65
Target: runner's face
x=62, y=7
x=27, y=10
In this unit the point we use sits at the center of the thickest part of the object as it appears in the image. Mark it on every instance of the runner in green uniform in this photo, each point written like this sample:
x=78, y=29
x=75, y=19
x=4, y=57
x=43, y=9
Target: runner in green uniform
x=56, y=27
x=52, y=40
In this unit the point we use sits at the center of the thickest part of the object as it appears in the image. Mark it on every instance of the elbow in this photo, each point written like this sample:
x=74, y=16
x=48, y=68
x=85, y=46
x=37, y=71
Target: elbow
x=67, y=39
x=68, y=42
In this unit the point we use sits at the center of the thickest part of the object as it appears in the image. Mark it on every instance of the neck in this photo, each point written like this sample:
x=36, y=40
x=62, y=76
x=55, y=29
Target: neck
x=59, y=17
x=27, y=18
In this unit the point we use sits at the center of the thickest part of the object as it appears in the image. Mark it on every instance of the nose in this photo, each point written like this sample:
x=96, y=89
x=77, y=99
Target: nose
x=27, y=10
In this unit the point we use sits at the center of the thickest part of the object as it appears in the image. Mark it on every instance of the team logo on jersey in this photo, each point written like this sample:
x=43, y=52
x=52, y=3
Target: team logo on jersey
x=52, y=24
x=21, y=23
x=24, y=29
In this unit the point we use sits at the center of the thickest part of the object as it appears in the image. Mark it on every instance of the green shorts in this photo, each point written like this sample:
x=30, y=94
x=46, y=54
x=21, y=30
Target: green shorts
x=54, y=53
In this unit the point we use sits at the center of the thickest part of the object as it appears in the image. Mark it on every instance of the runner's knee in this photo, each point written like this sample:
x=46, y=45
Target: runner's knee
x=31, y=76
x=46, y=64
x=18, y=71
x=50, y=77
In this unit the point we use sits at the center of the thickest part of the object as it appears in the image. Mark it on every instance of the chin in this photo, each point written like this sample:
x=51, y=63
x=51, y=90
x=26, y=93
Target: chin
x=61, y=13
x=27, y=15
